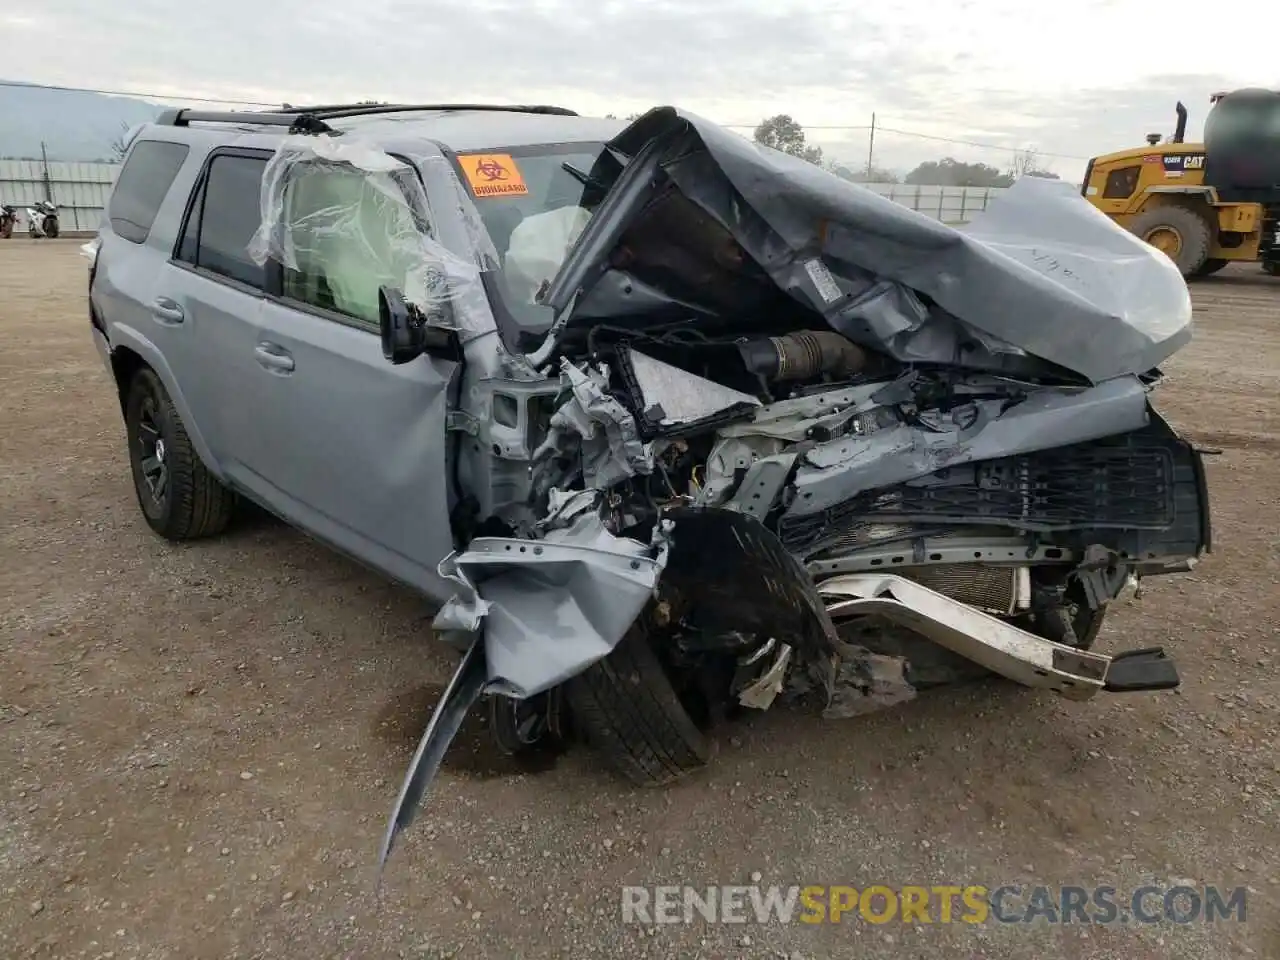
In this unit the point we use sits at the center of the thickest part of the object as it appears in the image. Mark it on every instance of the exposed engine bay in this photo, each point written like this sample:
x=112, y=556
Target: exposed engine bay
x=826, y=452
x=832, y=463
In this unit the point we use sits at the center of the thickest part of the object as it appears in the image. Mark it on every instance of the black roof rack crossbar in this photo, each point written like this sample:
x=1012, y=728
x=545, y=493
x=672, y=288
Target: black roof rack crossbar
x=297, y=122
x=334, y=111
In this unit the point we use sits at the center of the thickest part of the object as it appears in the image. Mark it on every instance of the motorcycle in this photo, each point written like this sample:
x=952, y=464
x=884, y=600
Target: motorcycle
x=42, y=220
x=8, y=218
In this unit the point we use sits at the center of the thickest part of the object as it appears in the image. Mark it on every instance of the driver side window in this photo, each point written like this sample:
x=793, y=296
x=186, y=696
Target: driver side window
x=350, y=231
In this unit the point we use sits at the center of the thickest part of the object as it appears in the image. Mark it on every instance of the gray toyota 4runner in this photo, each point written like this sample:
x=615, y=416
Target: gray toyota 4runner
x=672, y=424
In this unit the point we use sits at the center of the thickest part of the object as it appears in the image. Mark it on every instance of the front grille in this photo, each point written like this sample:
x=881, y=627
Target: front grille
x=1119, y=484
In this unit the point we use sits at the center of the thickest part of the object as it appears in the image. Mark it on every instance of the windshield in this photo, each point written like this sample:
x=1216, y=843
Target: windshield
x=534, y=202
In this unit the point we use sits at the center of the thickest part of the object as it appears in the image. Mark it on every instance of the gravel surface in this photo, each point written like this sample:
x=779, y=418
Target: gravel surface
x=201, y=743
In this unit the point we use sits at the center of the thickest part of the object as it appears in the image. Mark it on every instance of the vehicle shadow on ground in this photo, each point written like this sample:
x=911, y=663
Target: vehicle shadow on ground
x=403, y=720
x=949, y=716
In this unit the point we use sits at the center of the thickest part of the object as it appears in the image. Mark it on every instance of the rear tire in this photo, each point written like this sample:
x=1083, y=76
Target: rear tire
x=627, y=709
x=51, y=228
x=179, y=497
x=1187, y=233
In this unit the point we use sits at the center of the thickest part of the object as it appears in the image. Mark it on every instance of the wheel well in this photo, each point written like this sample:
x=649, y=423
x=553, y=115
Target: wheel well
x=124, y=364
x=1197, y=203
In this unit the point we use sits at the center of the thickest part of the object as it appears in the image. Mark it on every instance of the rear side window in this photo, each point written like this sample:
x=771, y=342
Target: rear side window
x=1121, y=183
x=224, y=215
x=142, y=185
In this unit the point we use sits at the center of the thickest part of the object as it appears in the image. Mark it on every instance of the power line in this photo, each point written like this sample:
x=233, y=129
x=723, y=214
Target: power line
x=974, y=143
x=135, y=93
x=912, y=133
x=733, y=126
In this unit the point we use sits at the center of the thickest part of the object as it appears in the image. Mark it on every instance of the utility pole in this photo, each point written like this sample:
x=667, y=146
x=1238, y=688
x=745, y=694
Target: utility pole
x=44, y=160
x=871, y=147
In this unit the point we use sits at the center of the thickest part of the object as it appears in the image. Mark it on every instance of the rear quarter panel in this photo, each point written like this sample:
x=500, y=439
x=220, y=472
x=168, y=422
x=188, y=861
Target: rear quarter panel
x=127, y=280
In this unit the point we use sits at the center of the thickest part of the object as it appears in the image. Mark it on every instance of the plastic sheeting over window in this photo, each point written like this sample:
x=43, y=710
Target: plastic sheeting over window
x=344, y=218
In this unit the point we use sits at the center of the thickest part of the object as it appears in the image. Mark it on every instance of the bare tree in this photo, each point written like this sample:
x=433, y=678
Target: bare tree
x=1026, y=163
x=120, y=143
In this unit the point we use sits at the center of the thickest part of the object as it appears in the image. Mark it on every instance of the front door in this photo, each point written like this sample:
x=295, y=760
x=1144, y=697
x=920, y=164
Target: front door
x=343, y=443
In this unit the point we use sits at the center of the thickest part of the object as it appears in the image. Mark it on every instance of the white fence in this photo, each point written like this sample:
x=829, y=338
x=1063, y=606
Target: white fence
x=948, y=204
x=80, y=190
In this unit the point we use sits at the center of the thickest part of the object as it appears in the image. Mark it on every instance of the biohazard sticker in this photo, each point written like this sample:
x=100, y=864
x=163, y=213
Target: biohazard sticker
x=493, y=175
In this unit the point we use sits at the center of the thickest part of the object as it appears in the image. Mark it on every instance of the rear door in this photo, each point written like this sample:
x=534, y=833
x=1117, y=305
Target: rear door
x=213, y=294
x=342, y=442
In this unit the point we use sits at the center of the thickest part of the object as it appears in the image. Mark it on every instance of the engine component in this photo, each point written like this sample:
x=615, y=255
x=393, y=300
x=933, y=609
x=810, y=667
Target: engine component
x=999, y=589
x=803, y=356
x=670, y=402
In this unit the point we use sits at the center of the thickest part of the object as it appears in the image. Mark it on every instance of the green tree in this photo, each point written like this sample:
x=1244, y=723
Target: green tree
x=783, y=133
x=950, y=172
x=861, y=175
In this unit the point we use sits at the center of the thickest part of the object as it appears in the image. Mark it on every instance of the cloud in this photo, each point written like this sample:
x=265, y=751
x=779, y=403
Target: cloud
x=993, y=71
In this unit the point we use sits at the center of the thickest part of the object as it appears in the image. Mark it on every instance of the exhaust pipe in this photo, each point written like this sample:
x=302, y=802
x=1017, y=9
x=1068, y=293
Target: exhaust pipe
x=1180, y=131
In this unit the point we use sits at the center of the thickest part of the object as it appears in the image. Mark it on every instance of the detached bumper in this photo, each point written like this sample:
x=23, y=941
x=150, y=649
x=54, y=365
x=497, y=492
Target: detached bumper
x=990, y=642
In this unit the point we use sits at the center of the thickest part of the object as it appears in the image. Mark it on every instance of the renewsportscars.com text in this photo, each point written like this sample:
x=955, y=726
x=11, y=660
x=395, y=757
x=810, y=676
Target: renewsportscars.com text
x=941, y=903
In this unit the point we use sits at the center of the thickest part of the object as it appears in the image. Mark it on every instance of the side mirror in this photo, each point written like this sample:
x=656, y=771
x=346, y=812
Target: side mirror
x=407, y=333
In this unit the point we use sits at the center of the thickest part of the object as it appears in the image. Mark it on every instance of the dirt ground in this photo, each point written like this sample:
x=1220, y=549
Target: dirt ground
x=200, y=744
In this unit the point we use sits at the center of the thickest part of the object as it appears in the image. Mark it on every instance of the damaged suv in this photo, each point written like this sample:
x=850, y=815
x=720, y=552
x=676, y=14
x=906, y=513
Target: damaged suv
x=672, y=423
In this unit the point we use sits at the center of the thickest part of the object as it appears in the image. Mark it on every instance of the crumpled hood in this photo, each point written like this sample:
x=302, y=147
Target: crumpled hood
x=1041, y=272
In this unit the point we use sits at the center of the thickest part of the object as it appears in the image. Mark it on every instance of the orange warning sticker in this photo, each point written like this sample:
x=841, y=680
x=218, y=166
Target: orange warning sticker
x=493, y=175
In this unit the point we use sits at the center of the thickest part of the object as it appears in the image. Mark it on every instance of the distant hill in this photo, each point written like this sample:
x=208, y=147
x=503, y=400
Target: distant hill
x=73, y=125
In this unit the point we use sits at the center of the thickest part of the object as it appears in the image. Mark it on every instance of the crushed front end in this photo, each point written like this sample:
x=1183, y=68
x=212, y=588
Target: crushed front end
x=789, y=442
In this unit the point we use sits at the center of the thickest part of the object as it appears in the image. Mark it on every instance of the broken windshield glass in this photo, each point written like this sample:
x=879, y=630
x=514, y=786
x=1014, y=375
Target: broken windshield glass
x=534, y=202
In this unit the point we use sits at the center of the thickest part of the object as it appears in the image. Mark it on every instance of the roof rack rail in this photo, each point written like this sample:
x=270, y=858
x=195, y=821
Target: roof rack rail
x=297, y=122
x=312, y=119
x=336, y=110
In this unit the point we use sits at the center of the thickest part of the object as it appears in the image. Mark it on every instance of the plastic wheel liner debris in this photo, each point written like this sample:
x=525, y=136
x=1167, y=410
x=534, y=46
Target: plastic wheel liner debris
x=827, y=450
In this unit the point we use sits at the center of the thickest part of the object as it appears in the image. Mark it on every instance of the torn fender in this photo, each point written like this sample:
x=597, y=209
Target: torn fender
x=548, y=608
x=460, y=696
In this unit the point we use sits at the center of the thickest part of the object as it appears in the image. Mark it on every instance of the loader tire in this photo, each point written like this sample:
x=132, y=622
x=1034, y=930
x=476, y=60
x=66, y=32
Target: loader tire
x=627, y=709
x=1181, y=233
x=1210, y=267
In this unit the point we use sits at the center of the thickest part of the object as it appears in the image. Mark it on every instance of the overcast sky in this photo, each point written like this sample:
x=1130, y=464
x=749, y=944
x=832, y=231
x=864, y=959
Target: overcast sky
x=1073, y=79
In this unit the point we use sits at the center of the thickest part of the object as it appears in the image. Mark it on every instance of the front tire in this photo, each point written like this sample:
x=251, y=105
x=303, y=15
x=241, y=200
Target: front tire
x=179, y=497
x=627, y=709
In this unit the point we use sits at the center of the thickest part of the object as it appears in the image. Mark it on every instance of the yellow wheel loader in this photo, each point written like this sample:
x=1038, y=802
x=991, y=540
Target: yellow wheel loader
x=1203, y=204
